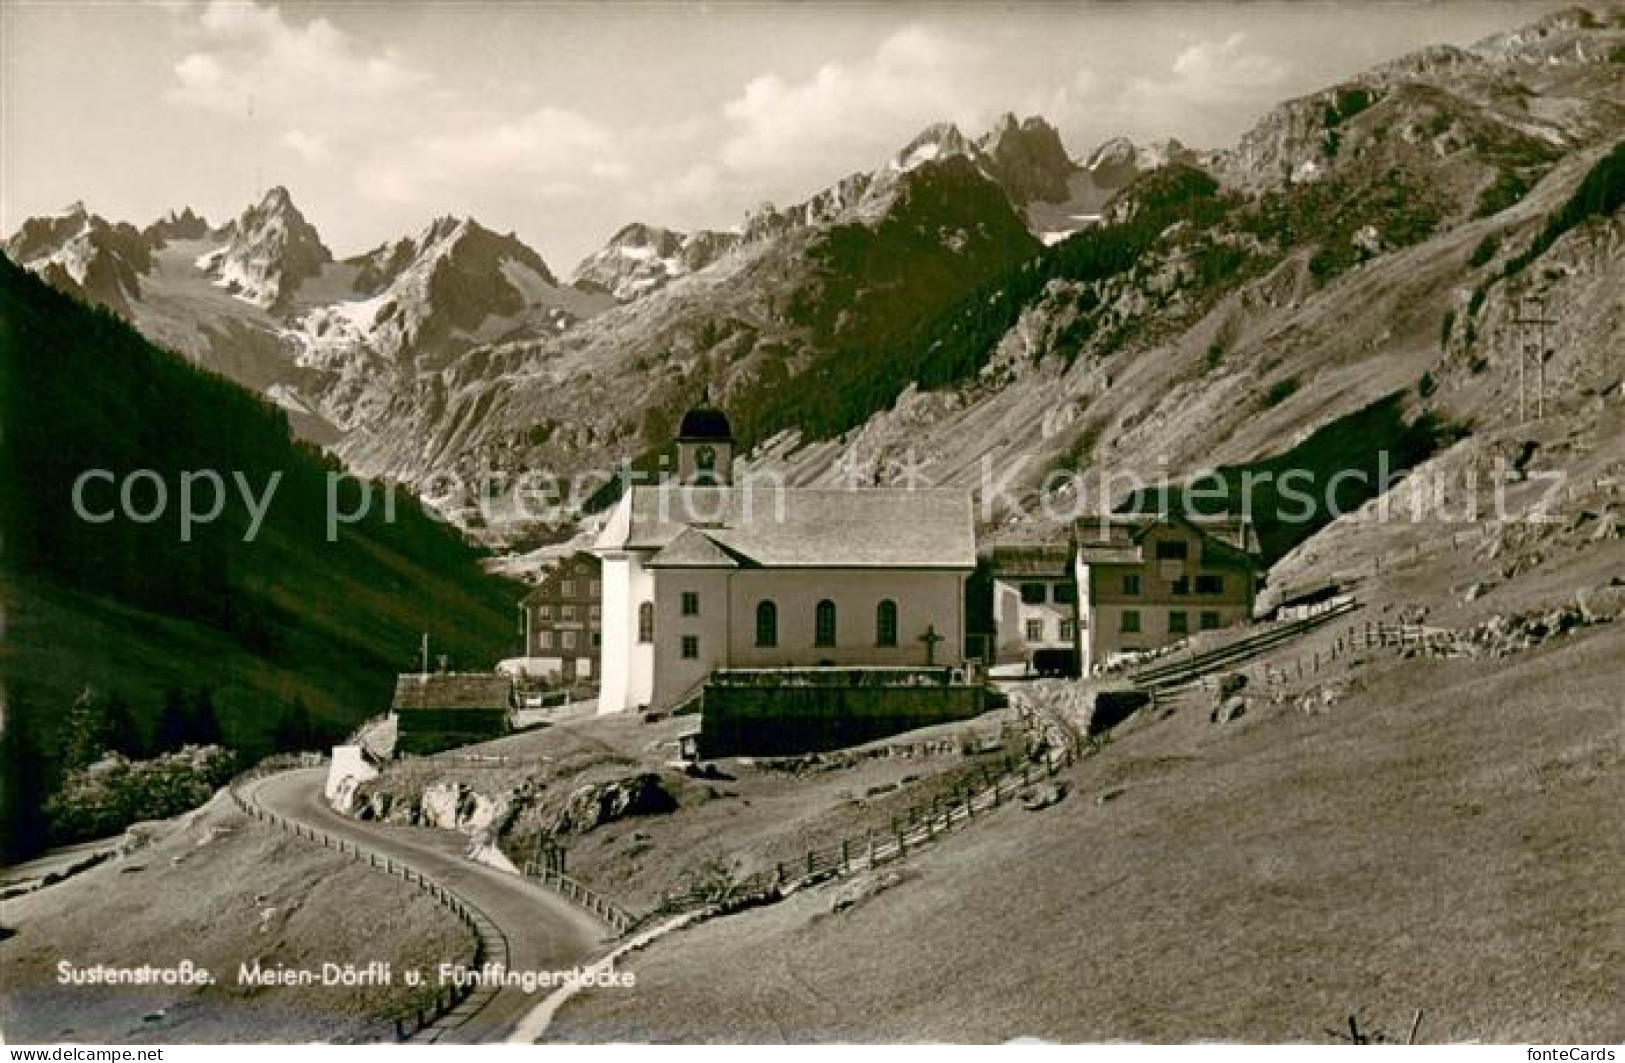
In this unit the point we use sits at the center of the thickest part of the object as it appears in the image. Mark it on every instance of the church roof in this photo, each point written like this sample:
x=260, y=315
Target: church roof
x=692, y=549
x=705, y=424
x=763, y=526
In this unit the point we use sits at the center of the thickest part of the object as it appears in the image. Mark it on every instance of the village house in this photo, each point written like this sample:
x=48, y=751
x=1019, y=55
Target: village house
x=703, y=575
x=1035, y=607
x=562, y=620
x=439, y=710
x=1147, y=580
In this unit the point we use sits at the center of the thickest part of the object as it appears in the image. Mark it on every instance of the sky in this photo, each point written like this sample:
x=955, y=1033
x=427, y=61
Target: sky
x=563, y=122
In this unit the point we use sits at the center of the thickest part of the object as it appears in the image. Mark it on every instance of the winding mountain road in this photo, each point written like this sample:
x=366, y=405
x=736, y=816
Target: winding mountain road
x=541, y=930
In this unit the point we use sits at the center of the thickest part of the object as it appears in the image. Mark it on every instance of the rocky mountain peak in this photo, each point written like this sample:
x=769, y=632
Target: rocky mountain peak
x=939, y=141
x=184, y=224
x=1028, y=159
x=641, y=258
x=269, y=251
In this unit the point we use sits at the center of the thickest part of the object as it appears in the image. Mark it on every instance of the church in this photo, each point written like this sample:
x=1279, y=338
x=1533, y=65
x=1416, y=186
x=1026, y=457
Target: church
x=702, y=574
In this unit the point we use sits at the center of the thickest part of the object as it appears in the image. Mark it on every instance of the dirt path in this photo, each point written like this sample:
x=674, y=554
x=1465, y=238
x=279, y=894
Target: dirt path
x=543, y=931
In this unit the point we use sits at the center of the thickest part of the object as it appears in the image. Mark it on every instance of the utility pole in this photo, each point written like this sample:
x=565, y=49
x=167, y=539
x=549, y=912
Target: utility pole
x=1532, y=322
x=423, y=653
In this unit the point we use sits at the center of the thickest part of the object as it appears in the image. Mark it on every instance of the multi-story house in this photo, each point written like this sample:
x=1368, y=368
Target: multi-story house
x=1148, y=580
x=1035, y=606
x=563, y=620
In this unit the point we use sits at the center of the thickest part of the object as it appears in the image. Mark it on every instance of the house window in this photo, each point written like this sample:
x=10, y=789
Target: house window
x=595, y=588
x=886, y=623
x=1182, y=585
x=595, y=613
x=691, y=647
x=1035, y=631
x=1178, y=624
x=1209, y=584
x=544, y=612
x=646, y=622
x=567, y=588
x=544, y=639
x=1069, y=630
x=567, y=612
x=1172, y=550
x=1131, y=583
x=691, y=603
x=767, y=624
x=567, y=639
x=1032, y=593
x=1210, y=621
x=1131, y=621
x=1064, y=593
x=824, y=624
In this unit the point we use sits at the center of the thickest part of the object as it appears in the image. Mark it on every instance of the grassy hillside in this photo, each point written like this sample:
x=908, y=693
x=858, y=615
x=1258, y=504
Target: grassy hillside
x=1432, y=841
x=132, y=610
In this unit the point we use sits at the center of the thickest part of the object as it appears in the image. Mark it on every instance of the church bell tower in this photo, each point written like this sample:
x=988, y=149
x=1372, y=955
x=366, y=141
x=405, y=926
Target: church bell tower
x=705, y=447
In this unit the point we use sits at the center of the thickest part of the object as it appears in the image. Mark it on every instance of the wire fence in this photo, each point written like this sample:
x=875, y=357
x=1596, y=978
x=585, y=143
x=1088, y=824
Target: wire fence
x=580, y=894
x=491, y=945
x=1359, y=637
x=1056, y=748
x=1181, y=669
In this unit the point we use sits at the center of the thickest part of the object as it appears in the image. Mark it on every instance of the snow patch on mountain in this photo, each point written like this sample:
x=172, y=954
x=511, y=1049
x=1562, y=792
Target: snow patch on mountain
x=644, y=258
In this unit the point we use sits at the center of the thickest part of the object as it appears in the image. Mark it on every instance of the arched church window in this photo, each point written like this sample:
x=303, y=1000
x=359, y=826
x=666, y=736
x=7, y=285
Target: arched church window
x=767, y=624
x=886, y=623
x=824, y=624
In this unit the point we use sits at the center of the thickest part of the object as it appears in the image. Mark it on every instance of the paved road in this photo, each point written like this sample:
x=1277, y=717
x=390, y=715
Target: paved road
x=543, y=931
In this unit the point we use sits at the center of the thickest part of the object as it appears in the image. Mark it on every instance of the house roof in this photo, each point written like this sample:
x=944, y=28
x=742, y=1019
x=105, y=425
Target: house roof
x=1038, y=559
x=549, y=585
x=1117, y=539
x=757, y=525
x=452, y=690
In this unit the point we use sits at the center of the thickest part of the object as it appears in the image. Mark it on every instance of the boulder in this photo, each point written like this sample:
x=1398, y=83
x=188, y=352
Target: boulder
x=1232, y=708
x=596, y=804
x=862, y=888
x=1599, y=605
x=1043, y=796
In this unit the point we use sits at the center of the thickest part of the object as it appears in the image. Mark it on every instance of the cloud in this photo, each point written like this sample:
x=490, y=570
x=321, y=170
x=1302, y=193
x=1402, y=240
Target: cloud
x=308, y=146
x=248, y=56
x=552, y=149
x=1226, y=66
x=1205, y=89
x=915, y=77
x=1205, y=76
x=404, y=136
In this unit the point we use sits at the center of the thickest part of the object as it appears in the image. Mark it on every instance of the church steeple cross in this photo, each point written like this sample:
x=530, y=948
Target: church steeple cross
x=931, y=638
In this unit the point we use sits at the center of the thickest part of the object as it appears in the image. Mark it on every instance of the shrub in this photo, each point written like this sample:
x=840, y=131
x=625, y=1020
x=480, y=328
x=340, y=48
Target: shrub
x=106, y=797
x=1485, y=250
x=1280, y=391
x=1600, y=194
x=1506, y=190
